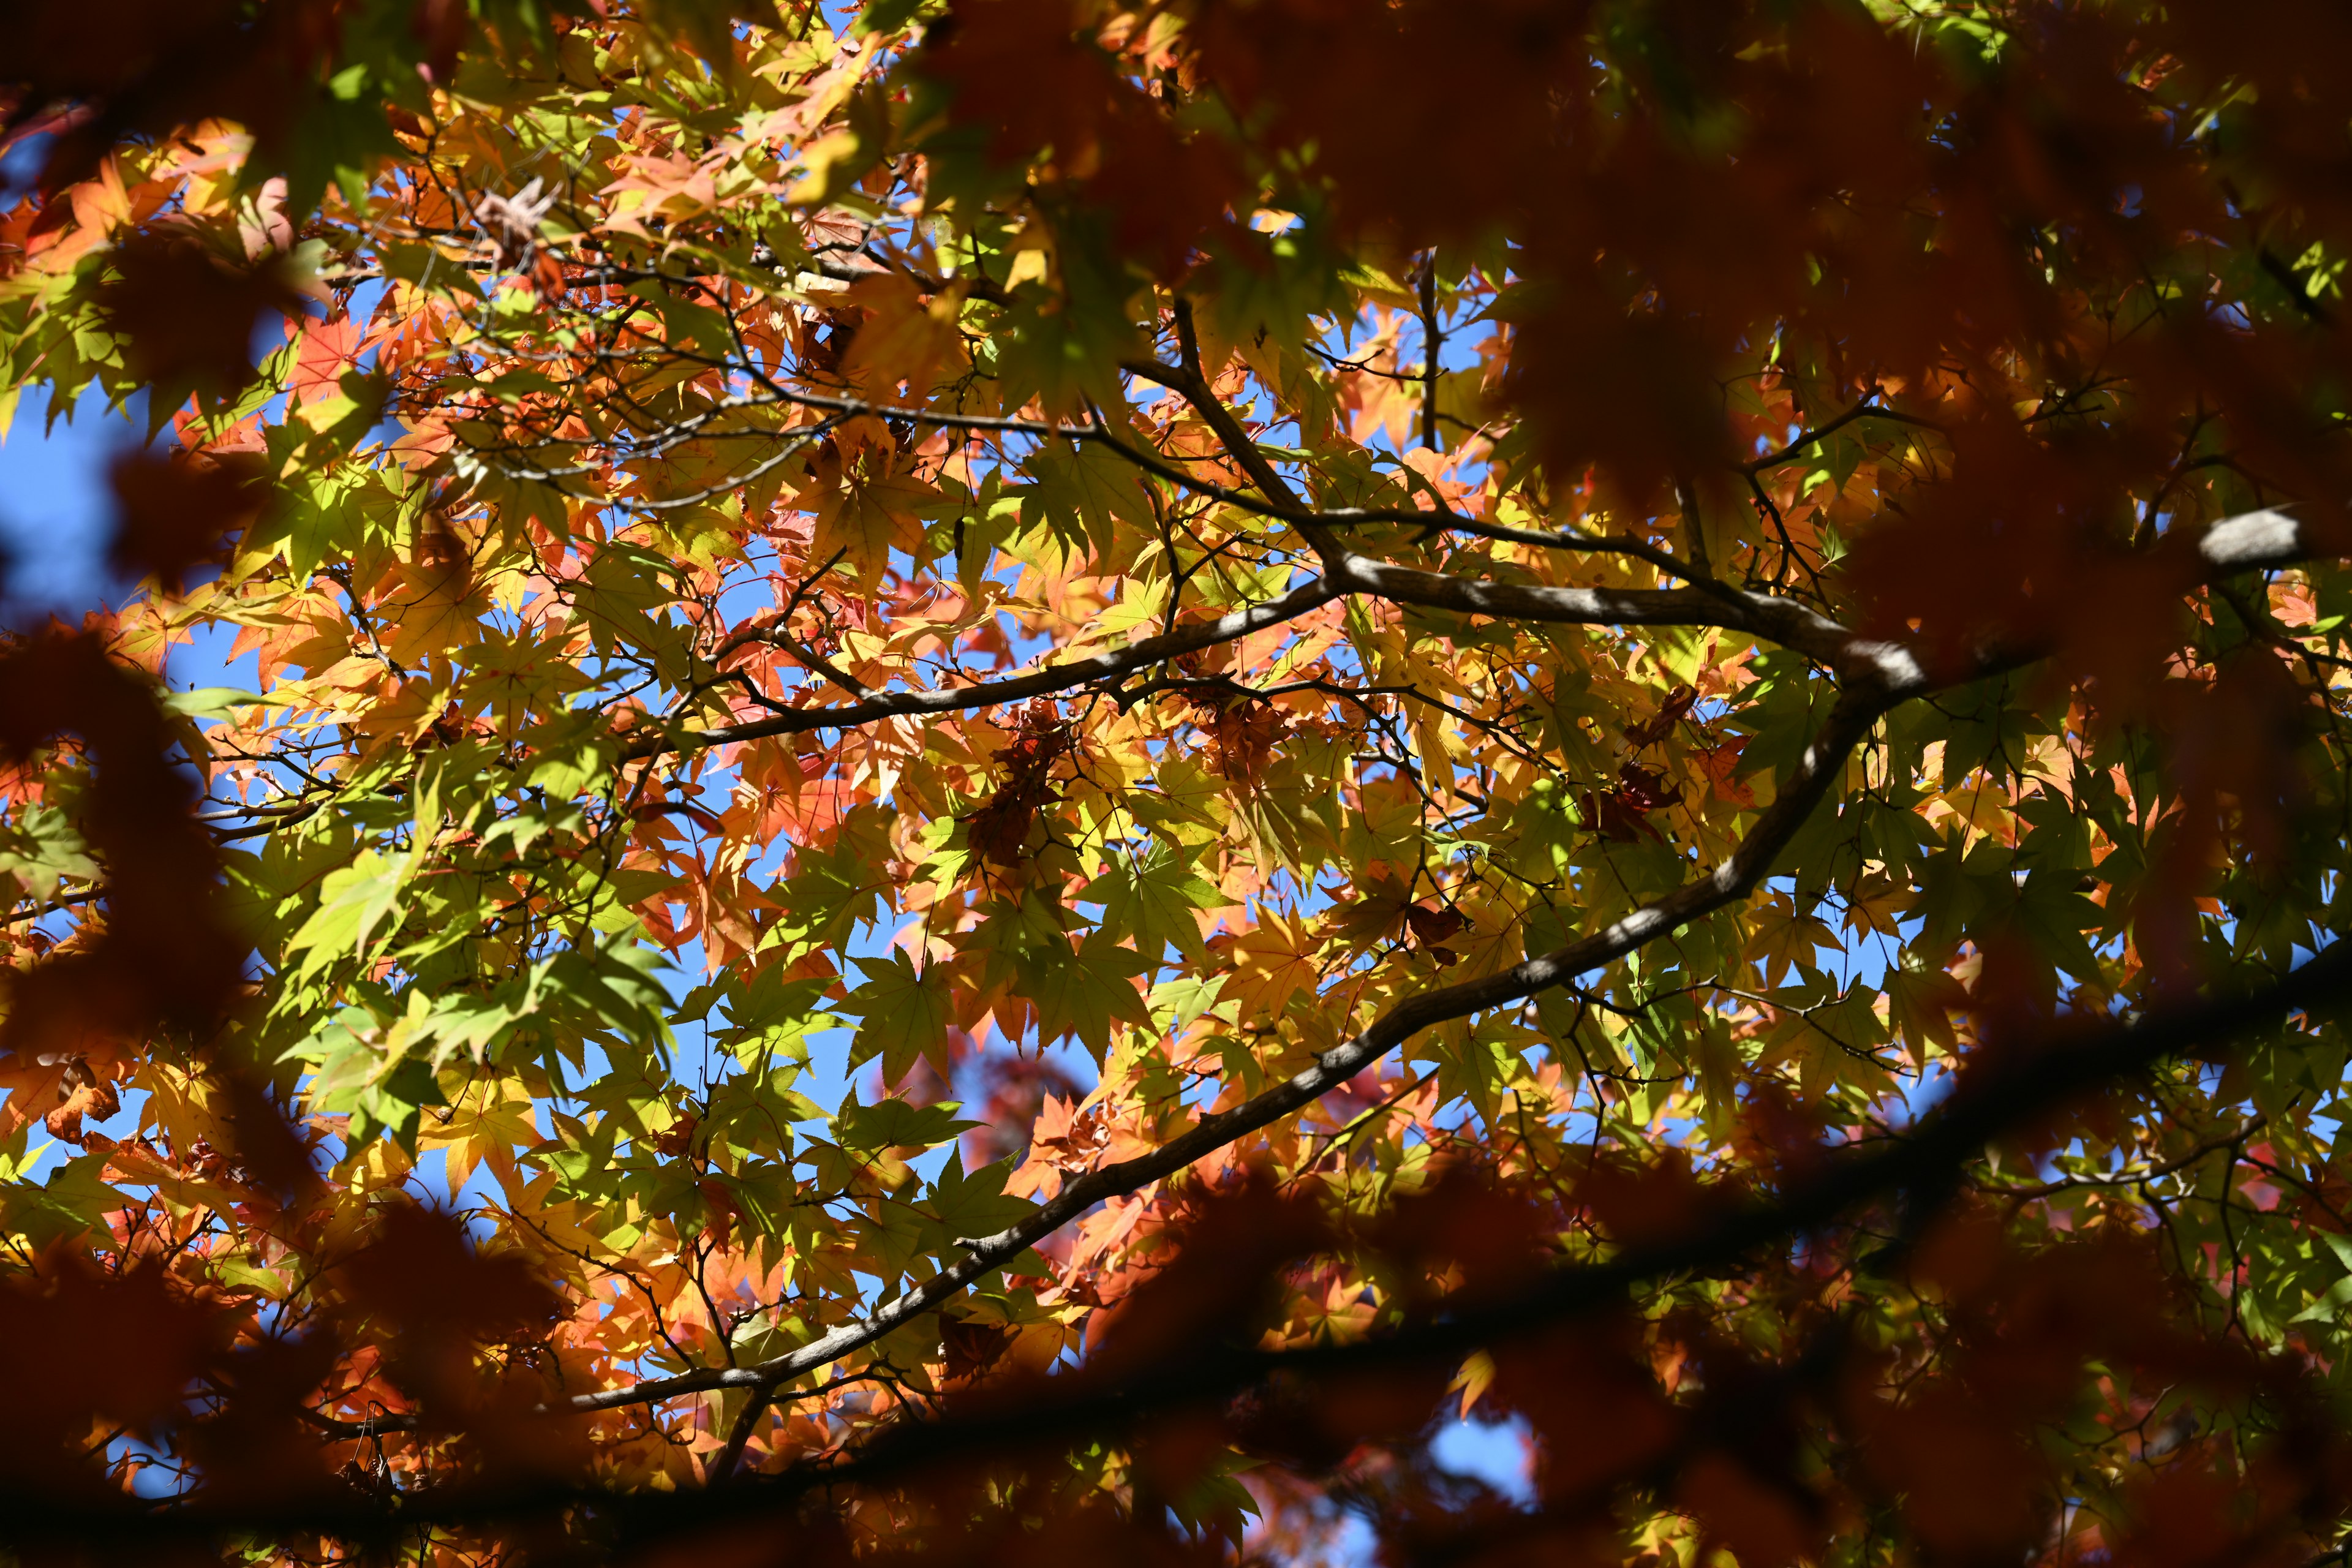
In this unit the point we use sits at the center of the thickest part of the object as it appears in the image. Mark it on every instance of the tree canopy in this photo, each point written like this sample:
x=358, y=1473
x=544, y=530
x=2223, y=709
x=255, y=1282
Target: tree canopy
x=1625, y=716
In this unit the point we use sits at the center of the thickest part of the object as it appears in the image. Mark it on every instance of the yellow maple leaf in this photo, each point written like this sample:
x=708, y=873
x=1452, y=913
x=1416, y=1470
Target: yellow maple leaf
x=864, y=516
x=1273, y=962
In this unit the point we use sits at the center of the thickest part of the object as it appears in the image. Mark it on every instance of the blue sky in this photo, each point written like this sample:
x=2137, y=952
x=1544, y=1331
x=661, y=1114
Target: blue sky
x=54, y=512
x=53, y=497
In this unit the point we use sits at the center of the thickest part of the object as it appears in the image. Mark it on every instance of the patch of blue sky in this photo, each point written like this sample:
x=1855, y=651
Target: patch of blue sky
x=51, y=475
x=55, y=509
x=20, y=165
x=1495, y=1452
x=56, y=515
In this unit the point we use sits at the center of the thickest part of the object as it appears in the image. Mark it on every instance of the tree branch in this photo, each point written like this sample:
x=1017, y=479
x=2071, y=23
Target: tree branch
x=1060, y=675
x=1878, y=676
x=1799, y=793
x=1998, y=1099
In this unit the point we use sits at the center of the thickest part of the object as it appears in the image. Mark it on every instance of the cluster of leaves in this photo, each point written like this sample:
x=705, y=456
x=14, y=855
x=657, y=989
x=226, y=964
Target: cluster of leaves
x=1582, y=708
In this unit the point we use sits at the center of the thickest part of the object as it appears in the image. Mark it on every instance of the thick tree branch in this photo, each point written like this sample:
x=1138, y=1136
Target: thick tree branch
x=808, y=658
x=1878, y=678
x=1776, y=620
x=1060, y=675
x=2007, y=1096
x=2023, y=1087
x=1783, y=621
x=1799, y=793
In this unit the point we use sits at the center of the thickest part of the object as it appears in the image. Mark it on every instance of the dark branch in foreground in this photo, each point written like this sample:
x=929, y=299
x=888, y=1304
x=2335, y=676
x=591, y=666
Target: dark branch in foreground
x=2024, y=1085
x=1878, y=676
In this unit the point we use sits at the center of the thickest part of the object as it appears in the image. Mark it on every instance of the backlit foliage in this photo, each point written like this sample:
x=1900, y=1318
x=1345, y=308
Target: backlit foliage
x=1621, y=714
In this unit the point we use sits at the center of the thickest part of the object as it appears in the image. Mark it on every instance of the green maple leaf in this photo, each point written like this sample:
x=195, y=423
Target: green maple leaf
x=352, y=900
x=972, y=1204
x=907, y=1013
x=1082, y=497
x=1153, y=903
x=1085, y=995
x=71, y=1202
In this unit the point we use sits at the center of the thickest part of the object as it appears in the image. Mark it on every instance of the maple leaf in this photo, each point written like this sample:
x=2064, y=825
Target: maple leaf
x=352, y=902
x=1272, y=962
x=173, y=516
x=864, y=515
x=927, y=504
x=80, y=1095
x=1085, y=497
x=906, y=338
x=326, y=350
x=1621, y=812
x=436, y=601
x=1154, y=903
x=188, y=315
x=1661, y=724
x=1093, y=990
x=1433, y=927
x=907, y=1016
x=484, y=1126
x=1376, y=909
